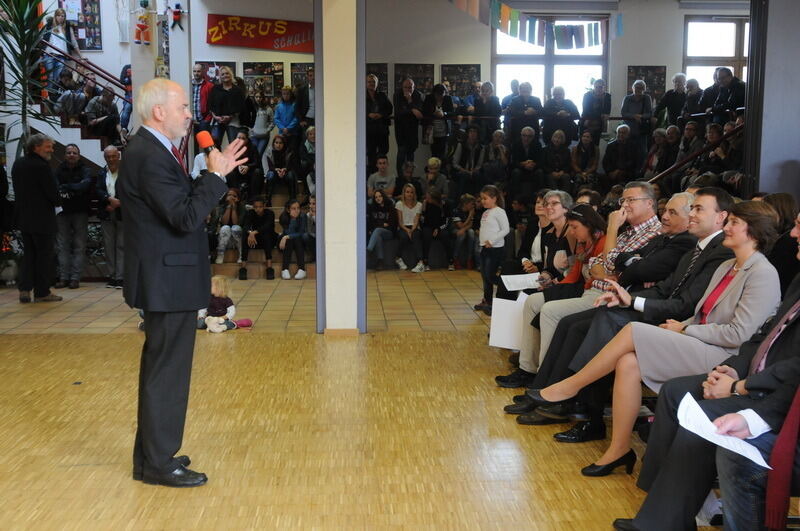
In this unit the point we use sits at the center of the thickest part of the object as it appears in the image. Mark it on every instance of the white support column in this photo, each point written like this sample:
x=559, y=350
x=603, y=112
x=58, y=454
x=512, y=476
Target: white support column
x=341, y=55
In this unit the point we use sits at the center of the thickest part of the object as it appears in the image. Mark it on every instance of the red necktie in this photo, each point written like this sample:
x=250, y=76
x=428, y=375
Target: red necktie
x=779, y=479
x=180, y=159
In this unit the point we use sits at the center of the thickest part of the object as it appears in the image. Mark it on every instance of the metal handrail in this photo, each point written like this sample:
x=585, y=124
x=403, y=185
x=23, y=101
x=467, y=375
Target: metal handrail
x=86, y=64
x=66, y=64
x=705, y=149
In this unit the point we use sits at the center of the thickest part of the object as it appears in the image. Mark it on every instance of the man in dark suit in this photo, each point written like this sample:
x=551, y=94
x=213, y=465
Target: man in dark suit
x=36, y=199
x=166, y=271
x=110, y=214
x=304, y=107
x=680, y=467
x=579, y=337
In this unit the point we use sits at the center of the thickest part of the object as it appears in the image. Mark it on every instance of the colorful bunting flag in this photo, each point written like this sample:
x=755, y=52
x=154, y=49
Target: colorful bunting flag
x=542, y=28
x=513, y=23
x=563, y=36
x=494, y=16
x=523, y=27
x=620, y=31
x=532, y=29
x=461, y=4
x=505, y=17
x=484, y=11
x=579, y=34
x=473, y=8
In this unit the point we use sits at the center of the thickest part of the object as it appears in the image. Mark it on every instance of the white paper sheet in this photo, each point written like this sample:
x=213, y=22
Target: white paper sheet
x=59, y=210
x=520, y=282
x=507, y=322
x=692, y=418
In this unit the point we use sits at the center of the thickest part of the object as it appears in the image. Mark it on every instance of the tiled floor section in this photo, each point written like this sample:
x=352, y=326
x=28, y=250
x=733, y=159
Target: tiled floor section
x=397, y=302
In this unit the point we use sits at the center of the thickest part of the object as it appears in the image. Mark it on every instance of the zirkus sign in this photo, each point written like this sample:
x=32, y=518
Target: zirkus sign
x=265, y=33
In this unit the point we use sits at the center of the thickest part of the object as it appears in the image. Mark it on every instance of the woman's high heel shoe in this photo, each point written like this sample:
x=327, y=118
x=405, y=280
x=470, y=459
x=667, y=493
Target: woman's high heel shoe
x=536, y=395
x=628, y=460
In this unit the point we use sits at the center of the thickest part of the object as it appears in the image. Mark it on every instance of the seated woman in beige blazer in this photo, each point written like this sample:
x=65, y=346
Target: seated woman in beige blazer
x=741, y=295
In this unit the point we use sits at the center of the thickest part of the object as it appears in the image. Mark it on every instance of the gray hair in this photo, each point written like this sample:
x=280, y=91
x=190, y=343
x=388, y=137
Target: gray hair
x=526, y=129
x=564, y=197
x=154, y=92
x=623, y=126
x=679, y=74
x=675, y=127
x=35, y=141
x=639, y=82
x=660, y=131
x=689, y=200
x=646, y=188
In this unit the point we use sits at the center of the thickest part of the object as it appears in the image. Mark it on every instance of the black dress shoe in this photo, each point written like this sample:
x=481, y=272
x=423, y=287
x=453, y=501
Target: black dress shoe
x=180, y=477
x=628, y=460
x=625, y=524
x=518, y=378
x=74, y=284
x=24, y=297
x=536, y=394
x=535, y=419
x=183, y=460
x=526, y=406
x=513, y=359
x=521, y=398
x=583, y=432
x=557, y=411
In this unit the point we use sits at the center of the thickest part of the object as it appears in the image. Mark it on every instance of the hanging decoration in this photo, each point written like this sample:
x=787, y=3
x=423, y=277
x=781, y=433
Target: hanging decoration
x=177, y=15
x=142, y=33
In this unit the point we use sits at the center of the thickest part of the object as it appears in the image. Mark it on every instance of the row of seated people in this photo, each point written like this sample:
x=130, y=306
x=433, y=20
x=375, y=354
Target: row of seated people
x=236, y=225
x=441, y=115
x=659, y=301
x=527, y=166
x=280, y=163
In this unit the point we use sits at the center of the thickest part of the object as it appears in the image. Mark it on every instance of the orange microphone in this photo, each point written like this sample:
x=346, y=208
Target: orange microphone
x=205, y=142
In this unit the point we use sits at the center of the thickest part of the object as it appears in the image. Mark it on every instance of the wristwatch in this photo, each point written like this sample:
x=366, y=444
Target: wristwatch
x=733, y=388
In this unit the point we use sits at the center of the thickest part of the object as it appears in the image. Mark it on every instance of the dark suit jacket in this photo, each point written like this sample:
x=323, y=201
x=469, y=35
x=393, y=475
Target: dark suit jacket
x=784, y=257
x=102, y=195
x=36, y=195
x=301, y=102
x=166, y=248
x=771, y=391
x=658, y=259
x=660, y=306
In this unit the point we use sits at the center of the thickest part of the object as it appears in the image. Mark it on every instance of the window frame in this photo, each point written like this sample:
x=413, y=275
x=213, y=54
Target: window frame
x=549, y=59
x=738, y=61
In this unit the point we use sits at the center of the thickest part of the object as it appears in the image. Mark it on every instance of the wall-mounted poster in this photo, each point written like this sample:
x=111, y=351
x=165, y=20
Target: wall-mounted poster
x=85, y=16
x=264, y=77
x=654, y=76
x=461, y=78
x=382, y=71
x=211, y=69
x=422, y=74
x=265, y=33
x=300, y=73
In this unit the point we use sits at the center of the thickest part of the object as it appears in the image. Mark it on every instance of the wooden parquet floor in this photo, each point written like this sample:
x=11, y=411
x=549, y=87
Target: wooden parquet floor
x=386, y=430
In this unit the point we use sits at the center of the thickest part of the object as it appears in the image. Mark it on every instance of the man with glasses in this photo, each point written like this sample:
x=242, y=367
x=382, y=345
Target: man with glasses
x=526, y=175
x=524, y=111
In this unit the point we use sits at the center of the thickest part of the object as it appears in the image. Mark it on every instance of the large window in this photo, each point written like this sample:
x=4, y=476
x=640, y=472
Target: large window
x=547, y=66
x=710, y=42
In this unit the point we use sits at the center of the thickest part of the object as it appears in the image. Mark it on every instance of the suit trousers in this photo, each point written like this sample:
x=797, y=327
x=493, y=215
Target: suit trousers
x=164, y=377
x=605, y=323
x=112, y=243
x=36, y=270
x=679, y=467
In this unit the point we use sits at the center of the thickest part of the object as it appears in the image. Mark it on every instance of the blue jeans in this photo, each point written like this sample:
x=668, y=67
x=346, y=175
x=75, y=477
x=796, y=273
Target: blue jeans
x=744, y=485
x=261, y=145
x=466, y=239
x=54, y=69
x=217, y=130
x=71, y=244
x=491, y=258
x=376, y=239
x=125, y=115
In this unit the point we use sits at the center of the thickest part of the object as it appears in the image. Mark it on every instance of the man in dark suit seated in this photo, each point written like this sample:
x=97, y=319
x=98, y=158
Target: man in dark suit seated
x=580, y=336
x=167, y=274
x=36, y=189
x=748, y=397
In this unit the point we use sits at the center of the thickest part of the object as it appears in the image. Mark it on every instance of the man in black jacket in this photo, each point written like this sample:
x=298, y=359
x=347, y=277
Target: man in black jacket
x=74, y=184
x=580, y=336
x=304, y=106
x=526, y=155
x=524, y=110
x=259, y=226
x=167, y=273
x=407, y=114
x=110, y=214
x=621, y=159
x=36, y=189
x=731, y=97
x=748, y=397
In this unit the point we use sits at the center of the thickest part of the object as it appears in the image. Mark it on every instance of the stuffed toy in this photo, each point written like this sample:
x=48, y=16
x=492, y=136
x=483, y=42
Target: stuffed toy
x=177, y=13
x=215, y=325
x=142, y=33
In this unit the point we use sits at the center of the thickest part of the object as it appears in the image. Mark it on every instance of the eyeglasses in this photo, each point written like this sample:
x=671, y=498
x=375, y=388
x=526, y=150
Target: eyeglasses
x=623, y=200
x=552, y=203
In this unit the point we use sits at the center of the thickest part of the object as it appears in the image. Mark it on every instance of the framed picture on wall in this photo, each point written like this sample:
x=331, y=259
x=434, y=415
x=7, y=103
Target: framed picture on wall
x=422, y=74
x=211, y=69
x=300, y=73
x=654, y=76
x=461, y=78
x=264, y=77
x=84, y=15
x=382, y=71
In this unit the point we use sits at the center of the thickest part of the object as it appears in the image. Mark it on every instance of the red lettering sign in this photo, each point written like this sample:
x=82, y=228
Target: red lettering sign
x=264, y=33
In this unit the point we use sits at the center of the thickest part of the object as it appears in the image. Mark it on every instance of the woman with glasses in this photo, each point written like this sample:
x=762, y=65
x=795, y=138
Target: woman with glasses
x=743, y=292
x=588, y=229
